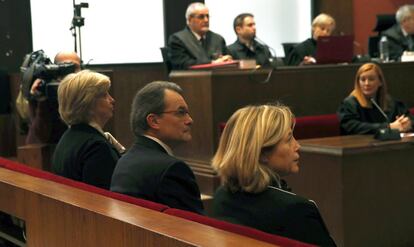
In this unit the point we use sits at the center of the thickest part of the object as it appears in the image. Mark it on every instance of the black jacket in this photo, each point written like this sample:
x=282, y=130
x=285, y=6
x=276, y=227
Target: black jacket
x=274, y=211
x=397, y=42
x=147, y=171
x=185, y=50
x=355, y=119
x=84, y=154
x=261, y=53
x=306, y=48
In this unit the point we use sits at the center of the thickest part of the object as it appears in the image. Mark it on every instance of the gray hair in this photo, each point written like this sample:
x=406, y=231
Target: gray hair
x=150, y=99
x=404, y=12
x=192, y=8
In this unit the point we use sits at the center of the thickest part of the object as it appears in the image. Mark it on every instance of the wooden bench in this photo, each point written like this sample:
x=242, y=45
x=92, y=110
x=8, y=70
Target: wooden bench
x=61, y=212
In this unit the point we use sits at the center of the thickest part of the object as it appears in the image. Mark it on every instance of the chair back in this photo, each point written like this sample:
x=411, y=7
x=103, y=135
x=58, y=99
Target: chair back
x=165, y=58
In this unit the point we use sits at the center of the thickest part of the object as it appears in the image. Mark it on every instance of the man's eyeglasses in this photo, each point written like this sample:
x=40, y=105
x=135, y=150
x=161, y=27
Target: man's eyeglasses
x=179, y=113
x=201, y=16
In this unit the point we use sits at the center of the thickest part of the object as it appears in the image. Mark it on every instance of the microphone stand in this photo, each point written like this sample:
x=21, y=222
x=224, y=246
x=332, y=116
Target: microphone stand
x=77, y=22
x=385, y=134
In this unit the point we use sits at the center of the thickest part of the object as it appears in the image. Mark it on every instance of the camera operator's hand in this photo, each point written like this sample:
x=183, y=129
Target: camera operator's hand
x=34, y=90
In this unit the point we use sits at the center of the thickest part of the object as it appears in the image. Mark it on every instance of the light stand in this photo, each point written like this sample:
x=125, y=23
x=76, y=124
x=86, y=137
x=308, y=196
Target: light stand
x=77, y=22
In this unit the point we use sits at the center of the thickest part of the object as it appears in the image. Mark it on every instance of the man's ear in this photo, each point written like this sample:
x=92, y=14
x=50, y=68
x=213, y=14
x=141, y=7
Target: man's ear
x=238, y=28
x=153, y=121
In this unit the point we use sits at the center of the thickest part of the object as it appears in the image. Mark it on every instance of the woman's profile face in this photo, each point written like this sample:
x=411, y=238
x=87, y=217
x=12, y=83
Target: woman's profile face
x=103, y=109
x=369, y=82
x=284, y=157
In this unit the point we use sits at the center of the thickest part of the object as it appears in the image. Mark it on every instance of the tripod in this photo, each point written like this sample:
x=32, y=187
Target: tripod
x=77, y=22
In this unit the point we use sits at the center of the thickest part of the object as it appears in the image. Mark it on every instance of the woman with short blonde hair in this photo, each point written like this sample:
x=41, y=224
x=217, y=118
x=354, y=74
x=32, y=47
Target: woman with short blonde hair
x=238, y=155
x=77, y=94
x=256, y=149
x=305, y=52
x=85, y=152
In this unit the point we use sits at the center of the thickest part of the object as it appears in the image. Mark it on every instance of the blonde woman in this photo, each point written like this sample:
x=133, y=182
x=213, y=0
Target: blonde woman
x=257, y=148
x=304, y=53
x=357, y=113
x=86, y=153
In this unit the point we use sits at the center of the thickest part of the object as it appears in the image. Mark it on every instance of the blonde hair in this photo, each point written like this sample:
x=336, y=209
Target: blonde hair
x=77, y=94
x=249, y=131
x=323, y=19
x=382, y=94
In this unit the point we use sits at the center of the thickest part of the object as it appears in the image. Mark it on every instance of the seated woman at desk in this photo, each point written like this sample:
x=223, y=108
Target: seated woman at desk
x=304, y=53
x=84, y=152
x=358, y=113
x=256, y=148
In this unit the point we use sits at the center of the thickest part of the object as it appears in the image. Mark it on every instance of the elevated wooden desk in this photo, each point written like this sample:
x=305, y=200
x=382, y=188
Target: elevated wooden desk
x=364, y=188
x=212, y=97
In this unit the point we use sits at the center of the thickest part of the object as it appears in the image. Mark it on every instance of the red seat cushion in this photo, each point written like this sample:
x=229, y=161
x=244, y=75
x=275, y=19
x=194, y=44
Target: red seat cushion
x=15, y=166
x=316, y=126
x=238, y=229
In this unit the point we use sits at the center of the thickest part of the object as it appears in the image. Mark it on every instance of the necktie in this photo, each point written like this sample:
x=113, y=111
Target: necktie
x=203, y=43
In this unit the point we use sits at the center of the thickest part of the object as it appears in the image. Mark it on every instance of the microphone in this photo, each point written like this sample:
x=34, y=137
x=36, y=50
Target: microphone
x=385, y=134
x=273, y=58
x=379, y=109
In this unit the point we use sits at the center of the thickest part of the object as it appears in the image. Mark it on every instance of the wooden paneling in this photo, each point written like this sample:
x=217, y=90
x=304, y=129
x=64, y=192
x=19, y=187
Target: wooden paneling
x=362, y=187
x=212, y=96
x=59, y=215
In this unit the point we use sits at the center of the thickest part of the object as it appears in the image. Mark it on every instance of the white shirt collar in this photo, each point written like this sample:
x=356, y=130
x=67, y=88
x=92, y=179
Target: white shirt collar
x=198, y=36
x=97, y=127
x=404, y=32
x=163, y=145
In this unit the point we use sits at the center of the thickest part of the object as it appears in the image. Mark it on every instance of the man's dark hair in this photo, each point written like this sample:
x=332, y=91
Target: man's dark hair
x=238, y=21
x=150, y=99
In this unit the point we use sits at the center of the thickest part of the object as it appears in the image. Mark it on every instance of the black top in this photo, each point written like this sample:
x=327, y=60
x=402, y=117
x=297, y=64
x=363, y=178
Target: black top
x=184, y=50
x=306, y=48
x=260, y=52
x=397, y=42
x=355, y=119
x=274, y=211
x=84, y=154
x=147, y=171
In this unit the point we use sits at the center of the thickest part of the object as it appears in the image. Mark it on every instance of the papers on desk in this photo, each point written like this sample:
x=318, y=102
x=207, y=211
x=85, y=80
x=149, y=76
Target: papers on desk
x=406, y=134
x=241, y=64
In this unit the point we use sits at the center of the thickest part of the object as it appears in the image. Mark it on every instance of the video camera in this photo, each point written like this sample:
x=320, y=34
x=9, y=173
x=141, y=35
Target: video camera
x=37, y=65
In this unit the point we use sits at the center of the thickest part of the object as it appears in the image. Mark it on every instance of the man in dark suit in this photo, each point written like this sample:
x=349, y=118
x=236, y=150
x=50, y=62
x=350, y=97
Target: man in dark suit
x=401, y=35
x=160, y=121
x=246, y=46
x=196, y=44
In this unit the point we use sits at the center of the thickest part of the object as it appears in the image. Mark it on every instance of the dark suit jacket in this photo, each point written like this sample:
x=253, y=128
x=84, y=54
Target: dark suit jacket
x=397, y=42
x=84, y=154
x=147, y=171
x=185, y=50
x=261, y=53
x=274, y=211
x=306, y=48
x=355, y=119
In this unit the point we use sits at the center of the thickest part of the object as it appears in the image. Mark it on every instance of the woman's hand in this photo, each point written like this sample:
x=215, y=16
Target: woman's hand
x=402, y=123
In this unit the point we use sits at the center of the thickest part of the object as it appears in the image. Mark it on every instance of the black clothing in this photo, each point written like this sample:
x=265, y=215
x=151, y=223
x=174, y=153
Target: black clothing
x=184, y=50
x=274, y=211
x=355, y=119
x=84, y=154
x=260, y=52
x=147, y=171
x=397, y=42
x=306, y=48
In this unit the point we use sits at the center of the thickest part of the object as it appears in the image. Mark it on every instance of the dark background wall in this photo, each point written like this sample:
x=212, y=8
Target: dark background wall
x=15, y=33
